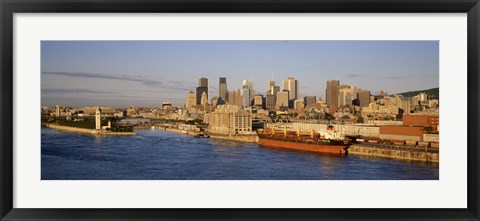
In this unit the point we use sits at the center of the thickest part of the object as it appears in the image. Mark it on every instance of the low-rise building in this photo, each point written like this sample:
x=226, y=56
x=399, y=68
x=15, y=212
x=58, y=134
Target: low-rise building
x=429, y=120
x=407, y=133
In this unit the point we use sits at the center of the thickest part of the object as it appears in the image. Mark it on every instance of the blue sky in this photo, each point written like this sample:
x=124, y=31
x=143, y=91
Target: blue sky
x=146, y=73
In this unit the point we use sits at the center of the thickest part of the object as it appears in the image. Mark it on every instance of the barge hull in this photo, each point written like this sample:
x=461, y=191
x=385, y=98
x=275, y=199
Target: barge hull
x=336, y=149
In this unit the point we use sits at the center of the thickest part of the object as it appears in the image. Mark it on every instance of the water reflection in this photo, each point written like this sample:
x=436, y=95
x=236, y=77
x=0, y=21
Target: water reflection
x=162, y=155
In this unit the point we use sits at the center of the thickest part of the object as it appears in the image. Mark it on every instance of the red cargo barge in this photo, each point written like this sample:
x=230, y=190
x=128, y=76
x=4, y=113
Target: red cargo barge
x=296, y=141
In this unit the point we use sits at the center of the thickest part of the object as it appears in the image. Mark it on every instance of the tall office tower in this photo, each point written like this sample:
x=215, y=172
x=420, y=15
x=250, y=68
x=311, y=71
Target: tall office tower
x=249, y=85
x=276, y=89
x=245, y=92
x=271, y=87
x=234, y=98
x=345, y=96
x=282, y=98
x=332, y=95
x=203, y=82
x=202, y=87
x=271, y=90
x=200, y=91
x=222, y=88
x=258, y=100
x=270, y=100
x=204, y=100
x=190, y=100
x=353, y=90
x=364, y=98
x=293, y=87
x=309, y=100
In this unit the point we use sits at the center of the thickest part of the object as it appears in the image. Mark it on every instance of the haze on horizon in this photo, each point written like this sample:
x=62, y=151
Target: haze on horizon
x=147, y=73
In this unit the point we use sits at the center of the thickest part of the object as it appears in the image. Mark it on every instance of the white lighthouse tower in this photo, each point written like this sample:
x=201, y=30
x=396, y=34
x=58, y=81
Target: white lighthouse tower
x=98, y=119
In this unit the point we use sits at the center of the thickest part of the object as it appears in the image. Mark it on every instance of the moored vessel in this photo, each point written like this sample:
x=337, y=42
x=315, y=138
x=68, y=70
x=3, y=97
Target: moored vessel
x=202, y=136
x=327, y=141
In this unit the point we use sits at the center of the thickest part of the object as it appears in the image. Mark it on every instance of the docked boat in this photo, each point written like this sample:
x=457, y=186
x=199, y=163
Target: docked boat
x=202, y=136
x=327, y=141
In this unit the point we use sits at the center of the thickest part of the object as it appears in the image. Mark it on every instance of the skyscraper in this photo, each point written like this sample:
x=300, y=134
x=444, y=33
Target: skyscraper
x=293, y=87
x=270, y=100
x=190, y=100
x=222, y=88
x=204, y=100
x=270, y=87
x=234, y=98
x=282, y=98
x=203, y=82
x=345, y=96
x=364, y=98
x=271, y=95
x=276, y=89
x=248, y=84
x=258, y=100
x=332, y=95
x=245, y=92
x=202, y=87
x=353, y=90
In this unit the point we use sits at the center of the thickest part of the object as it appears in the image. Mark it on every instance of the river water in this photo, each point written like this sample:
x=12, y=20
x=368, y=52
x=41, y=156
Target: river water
x=163, y=155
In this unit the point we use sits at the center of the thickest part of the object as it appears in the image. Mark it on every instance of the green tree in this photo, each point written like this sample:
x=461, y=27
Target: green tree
x=360, y=120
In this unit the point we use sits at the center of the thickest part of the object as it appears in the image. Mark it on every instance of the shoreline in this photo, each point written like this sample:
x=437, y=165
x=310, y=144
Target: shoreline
x=240, y=138
x=394, y=154
x=88, y=131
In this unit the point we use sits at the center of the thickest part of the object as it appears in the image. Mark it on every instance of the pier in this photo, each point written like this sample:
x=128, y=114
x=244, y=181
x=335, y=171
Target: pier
x=88, y=131
x=395, y=152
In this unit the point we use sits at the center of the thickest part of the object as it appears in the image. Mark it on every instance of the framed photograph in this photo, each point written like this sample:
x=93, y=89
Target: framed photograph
x=239, y=110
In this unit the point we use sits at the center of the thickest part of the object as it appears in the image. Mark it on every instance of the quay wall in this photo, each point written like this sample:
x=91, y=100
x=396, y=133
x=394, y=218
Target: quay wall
x=176, y=130
x=70, y=129
x=88, y=131
x=242, y=138
x=403, y=154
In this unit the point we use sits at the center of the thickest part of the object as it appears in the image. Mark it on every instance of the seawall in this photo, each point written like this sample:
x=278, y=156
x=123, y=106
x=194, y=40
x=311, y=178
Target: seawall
x=89, y=131
x=242, y=138
x=176, y=130
x=402, y=154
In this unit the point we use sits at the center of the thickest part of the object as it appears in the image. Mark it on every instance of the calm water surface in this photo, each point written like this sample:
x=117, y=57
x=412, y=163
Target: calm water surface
x=162, y=155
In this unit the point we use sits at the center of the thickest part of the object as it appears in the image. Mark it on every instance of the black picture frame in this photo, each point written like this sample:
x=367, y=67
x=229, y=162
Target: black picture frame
x=9, y=7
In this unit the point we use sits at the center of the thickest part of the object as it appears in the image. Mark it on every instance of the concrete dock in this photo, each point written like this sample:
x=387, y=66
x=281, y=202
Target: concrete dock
x=89, y=131
x=395, y=152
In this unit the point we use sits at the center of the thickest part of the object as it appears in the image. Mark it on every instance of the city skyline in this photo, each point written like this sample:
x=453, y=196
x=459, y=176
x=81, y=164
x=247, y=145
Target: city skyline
x=146, y=73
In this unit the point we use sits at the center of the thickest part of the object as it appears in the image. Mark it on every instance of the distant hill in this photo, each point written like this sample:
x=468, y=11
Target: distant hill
x=432, y=93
